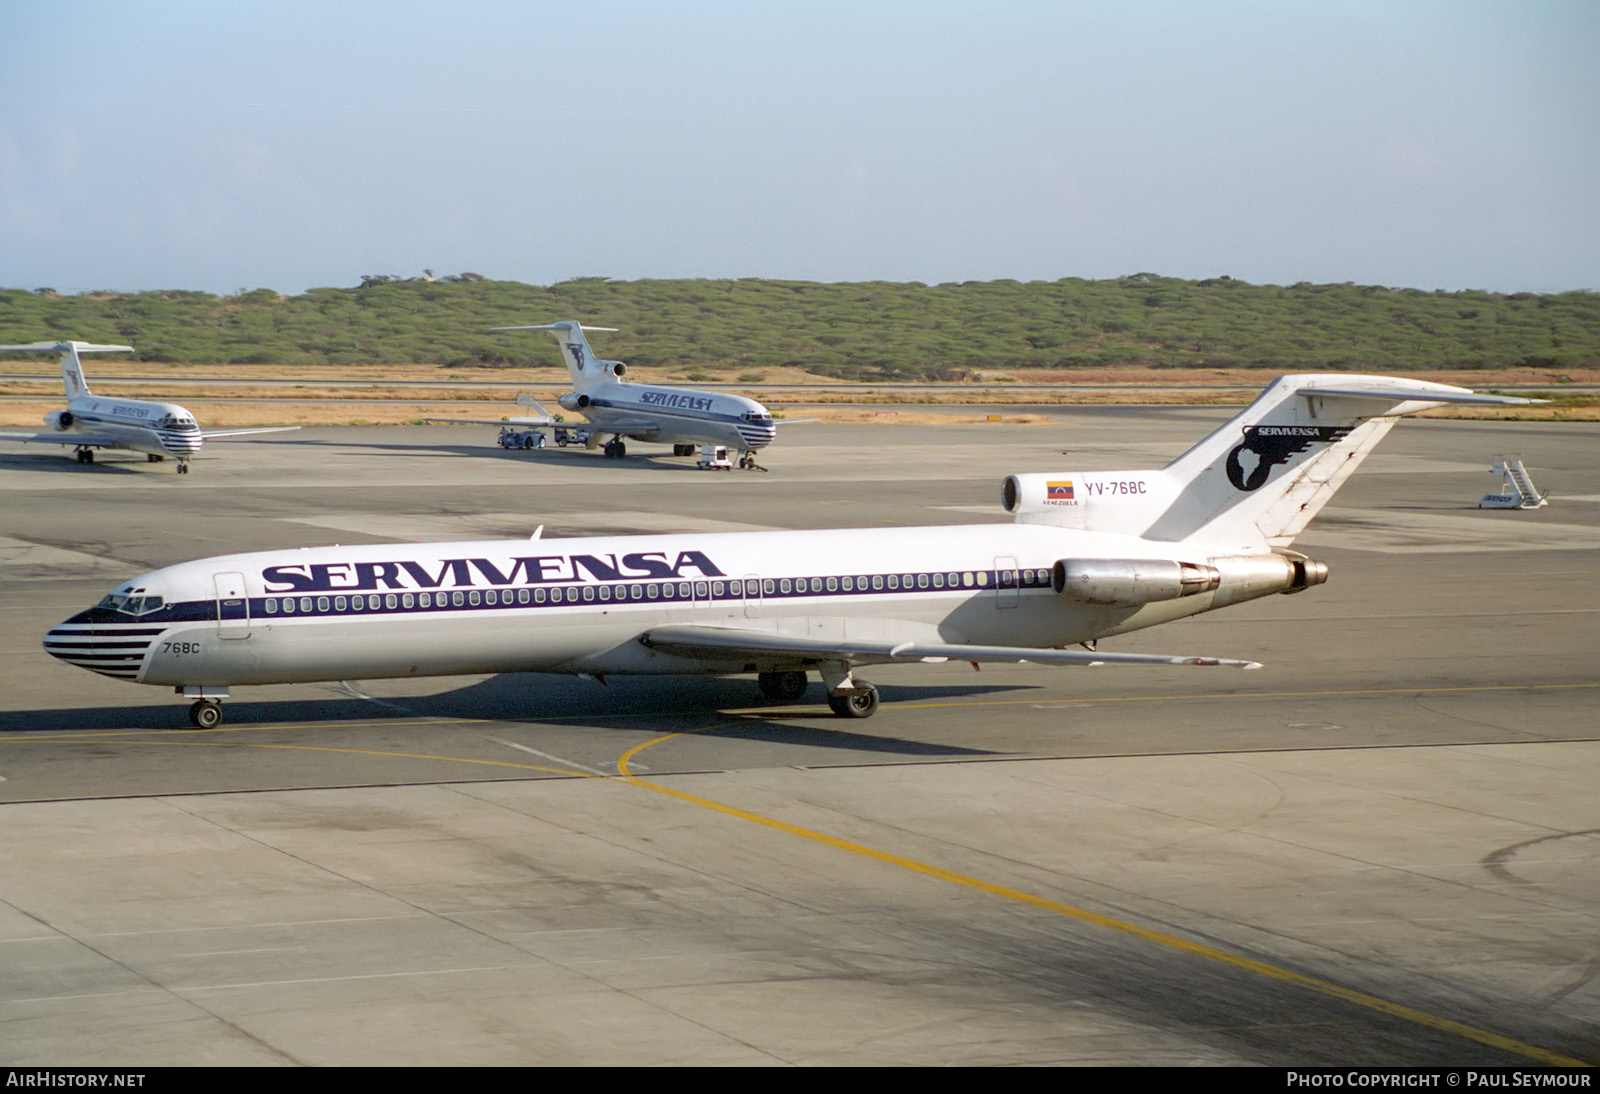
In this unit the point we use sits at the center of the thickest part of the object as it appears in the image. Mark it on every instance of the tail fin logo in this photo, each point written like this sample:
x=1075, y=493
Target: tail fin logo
x=577, y=355
x=1272, y=445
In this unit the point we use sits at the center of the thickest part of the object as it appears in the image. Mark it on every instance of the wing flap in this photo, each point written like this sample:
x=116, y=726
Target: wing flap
x=723, y=642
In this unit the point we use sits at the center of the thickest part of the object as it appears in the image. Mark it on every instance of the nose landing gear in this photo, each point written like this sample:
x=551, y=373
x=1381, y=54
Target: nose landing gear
x=206, y=711
x=206, y=714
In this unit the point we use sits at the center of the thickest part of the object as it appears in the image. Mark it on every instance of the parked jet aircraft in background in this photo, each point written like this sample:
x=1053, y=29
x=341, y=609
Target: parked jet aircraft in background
x=679, y=416
x=1090, y=555
x=91, y=421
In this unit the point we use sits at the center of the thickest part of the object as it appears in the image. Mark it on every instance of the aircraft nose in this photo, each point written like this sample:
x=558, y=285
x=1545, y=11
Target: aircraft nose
x=757, y=436
x=111, y=649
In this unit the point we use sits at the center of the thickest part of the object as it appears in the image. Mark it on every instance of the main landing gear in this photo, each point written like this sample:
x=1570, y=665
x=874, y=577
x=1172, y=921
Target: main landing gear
x=85, y=455
x=862, y=702
x=615, y=449
x=206, y=714
x=782, y=687
x=847, y=697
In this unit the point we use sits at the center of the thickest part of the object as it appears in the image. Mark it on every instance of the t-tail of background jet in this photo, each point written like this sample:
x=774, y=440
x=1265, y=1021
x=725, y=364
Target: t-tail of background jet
x=71, y=366
x=586, y=369
x=1253, y=485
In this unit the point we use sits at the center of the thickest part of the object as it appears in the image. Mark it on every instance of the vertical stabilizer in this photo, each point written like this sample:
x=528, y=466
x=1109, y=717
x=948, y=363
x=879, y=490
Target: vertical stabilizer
x=583, y=366
x=1255, y=483
x=72, y=372
x=1261, y=478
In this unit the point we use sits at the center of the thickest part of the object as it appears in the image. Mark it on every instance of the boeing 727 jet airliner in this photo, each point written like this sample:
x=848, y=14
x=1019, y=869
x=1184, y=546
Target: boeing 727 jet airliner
x=1090, y=555
x=679, y=416
x=91, y=421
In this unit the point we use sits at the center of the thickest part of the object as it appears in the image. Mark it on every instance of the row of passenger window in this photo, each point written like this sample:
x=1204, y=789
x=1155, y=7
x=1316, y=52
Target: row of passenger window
x=747, y=588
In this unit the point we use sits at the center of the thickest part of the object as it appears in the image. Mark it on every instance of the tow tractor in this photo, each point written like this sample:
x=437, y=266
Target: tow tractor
x=565, y=436
x=521, y=438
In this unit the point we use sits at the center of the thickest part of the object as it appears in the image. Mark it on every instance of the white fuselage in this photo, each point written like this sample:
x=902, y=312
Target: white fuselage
x=159, y=429
x=580, y=605
x=682, y=415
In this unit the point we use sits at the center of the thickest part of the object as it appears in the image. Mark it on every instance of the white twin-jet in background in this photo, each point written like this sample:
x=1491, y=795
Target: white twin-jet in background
x=1090, y=555
x=90, y=421
x=683, y=417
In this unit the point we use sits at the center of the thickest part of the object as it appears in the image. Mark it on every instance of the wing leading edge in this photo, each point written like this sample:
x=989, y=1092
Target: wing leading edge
x=214, y=434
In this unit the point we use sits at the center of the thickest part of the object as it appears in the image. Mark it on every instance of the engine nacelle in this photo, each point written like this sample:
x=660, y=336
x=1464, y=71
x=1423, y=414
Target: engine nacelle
x=573, y=400
x=1131, y=580
x=1232, y=578
x=1246, y=577
x=1024, y=494
x=59, y=419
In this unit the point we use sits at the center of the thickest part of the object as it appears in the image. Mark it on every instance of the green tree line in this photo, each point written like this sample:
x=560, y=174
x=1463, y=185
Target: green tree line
x=859, y=330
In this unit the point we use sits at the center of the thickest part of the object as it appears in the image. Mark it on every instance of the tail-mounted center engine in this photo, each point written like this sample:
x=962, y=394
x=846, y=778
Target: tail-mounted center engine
x=1231, y=578
x=1131, y=580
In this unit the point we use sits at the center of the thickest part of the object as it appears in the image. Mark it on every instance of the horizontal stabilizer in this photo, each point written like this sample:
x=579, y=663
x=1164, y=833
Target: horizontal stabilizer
x=62, y=347
x=721, y=642
x=1433, y=393
x=564, y=325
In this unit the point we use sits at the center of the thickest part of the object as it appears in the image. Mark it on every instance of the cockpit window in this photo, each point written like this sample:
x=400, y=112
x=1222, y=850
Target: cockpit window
x=760, y=419
x=176, y=421
x=131, y=605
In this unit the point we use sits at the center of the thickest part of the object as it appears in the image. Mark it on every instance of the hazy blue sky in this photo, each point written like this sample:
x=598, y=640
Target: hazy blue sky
x=288, y=145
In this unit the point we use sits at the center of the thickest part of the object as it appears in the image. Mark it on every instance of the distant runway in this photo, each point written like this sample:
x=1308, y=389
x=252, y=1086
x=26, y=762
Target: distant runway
x=1379, y=849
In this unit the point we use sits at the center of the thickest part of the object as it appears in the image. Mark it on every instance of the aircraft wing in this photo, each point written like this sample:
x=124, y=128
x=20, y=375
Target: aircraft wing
x=213, y=434
x=79, y=439
x=529, y=423
x=723, y=642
